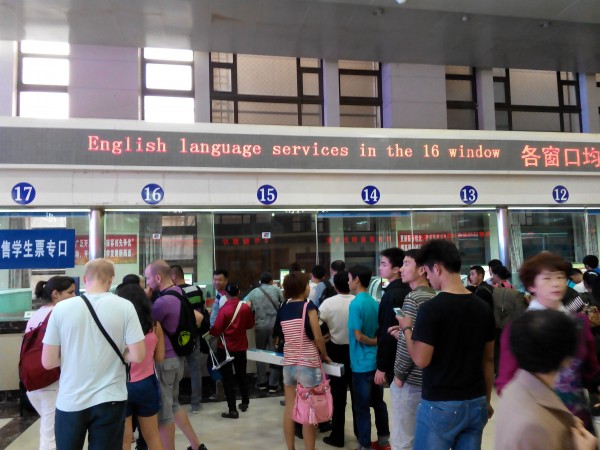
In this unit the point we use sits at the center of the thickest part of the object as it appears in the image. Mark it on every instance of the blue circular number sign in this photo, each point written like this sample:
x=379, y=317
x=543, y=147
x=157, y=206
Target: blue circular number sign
x=468, y=195
x=560, y=194
x=152, y=194
x=370, y=195
x=23, y=193
x=266, y=194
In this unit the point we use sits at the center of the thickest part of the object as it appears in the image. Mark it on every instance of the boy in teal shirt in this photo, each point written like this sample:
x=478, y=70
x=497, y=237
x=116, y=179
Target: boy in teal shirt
x=362, y=327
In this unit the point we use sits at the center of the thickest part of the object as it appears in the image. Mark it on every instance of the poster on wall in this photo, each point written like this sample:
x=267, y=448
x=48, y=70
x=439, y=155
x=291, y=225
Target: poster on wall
x=119, y=248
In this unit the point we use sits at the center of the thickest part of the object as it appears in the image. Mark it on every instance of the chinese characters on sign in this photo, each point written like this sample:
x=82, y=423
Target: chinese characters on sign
x=120, y=249
x=551, y=156
x=46, y=248
x=407, y=240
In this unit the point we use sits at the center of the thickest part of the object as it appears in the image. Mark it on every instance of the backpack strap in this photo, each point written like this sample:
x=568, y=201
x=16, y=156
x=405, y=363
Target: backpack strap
x=106, y=335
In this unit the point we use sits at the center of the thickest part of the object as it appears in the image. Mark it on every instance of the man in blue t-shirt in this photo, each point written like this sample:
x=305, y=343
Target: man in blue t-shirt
x=362, y=333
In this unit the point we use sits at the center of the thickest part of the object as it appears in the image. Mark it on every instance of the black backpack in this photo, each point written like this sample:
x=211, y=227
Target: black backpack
x=329, y=291
x=186, y=333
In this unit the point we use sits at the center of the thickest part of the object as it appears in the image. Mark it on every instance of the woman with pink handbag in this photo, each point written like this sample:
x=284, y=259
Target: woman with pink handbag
x=302, y=353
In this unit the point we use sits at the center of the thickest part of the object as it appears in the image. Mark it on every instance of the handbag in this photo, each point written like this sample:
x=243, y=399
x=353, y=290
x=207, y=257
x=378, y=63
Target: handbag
x=313, y=405
x=108, y=338
x=213, y=342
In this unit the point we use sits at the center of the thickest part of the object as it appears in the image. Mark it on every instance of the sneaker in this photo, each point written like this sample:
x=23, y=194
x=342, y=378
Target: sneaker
x=274, y=389
x=261, y=386
x=202, y=447
x=195, y=409
x=243, y=407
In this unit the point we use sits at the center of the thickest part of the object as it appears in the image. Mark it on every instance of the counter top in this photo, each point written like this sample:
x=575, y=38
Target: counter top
x=12, y=326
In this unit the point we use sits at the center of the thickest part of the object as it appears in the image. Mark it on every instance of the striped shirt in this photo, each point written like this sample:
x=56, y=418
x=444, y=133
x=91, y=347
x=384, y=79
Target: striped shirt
x=296, y=335
x=404, y=367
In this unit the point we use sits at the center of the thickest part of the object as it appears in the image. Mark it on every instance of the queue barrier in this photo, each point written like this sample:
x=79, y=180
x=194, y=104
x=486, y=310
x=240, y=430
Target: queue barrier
x=270, y=357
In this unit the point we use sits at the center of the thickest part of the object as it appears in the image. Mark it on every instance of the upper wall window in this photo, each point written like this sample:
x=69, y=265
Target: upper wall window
x=461, y=98
x=360, y=94
x=168, y=85
x=537, y=100
x=43, y=80
x=272, y=90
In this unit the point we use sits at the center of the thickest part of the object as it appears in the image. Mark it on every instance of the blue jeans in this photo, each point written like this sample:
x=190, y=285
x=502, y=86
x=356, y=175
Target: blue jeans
x=193, y=363
x=368, y=395
x=104, y=424
x=455, y=424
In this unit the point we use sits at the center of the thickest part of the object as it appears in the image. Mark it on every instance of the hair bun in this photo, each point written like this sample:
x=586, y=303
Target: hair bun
x=232, y=288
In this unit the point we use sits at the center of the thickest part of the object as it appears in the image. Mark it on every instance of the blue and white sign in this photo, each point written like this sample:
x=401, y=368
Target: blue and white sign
x=560, y=194
x=266, y=194
x=153, y=194
x=45, y=248
x=23, y=193
x=370, y=195
x=468, y=195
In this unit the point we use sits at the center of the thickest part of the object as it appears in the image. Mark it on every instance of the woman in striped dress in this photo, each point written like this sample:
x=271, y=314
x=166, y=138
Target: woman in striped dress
x=302, y=352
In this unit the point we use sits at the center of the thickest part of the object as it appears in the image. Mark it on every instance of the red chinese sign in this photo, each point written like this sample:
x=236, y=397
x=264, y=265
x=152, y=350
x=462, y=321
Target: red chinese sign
x=119, y=248
x=408, y=240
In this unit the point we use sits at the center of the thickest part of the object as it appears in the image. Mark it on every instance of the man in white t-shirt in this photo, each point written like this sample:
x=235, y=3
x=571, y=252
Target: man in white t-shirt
x=334, y=313
x=92, y=393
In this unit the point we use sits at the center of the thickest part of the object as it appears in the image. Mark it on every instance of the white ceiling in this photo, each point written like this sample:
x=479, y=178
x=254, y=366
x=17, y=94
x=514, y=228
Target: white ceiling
x=536, y=34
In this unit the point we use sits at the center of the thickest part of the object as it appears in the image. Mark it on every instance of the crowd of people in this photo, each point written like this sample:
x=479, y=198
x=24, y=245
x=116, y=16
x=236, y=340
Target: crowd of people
x=440, y=344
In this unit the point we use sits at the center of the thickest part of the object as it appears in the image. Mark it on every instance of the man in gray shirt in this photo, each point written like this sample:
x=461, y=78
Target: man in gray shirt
x=264, y=301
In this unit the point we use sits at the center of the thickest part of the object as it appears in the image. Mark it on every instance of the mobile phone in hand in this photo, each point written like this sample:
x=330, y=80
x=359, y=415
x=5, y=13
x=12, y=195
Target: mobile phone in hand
x=399, y=312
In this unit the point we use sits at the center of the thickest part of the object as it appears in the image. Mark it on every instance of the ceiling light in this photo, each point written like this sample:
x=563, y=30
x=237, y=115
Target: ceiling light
x=401, y=2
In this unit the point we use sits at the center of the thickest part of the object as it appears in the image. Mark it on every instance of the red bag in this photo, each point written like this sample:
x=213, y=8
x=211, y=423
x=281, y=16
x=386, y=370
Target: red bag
x=31, y=372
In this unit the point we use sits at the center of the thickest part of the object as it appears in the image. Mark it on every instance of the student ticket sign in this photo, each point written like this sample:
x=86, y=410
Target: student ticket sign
x=299, y=149
x=44, y=248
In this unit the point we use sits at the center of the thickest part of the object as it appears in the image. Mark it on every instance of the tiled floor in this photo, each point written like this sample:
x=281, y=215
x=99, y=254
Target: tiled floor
x=259, y=428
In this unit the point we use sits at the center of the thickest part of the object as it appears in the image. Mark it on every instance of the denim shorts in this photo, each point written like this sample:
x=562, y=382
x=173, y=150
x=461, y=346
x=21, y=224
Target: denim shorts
x=306, y=376
x=143, y=397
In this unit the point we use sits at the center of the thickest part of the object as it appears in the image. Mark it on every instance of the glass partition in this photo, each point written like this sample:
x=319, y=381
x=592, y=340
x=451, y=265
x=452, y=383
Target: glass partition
x=557, y=230
x=249, y=243
x=135, y=239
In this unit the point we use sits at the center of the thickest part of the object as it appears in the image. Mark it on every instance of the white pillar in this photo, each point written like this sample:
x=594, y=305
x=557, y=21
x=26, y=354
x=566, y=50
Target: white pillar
x=202, y=87
x=414, y=96
x=331, y=94
x=590, y=101
x=486, y=108
x=104, y=82
x=8, y=82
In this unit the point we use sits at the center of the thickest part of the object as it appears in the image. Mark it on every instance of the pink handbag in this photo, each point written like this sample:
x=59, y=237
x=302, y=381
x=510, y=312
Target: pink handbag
x=313, y=405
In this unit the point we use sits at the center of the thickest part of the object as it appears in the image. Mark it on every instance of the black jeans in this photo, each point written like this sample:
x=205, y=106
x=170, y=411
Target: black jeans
x=339, y=391
x=229, y=379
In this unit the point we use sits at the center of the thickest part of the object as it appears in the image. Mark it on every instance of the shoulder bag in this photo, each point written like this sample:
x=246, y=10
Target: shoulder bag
x=107, y=336
x=313, y=405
